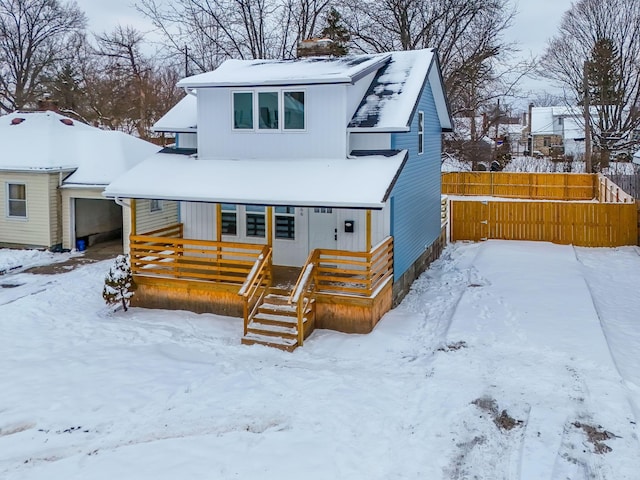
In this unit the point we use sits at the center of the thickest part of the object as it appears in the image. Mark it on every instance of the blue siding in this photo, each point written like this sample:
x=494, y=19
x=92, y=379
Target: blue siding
x=415, y=197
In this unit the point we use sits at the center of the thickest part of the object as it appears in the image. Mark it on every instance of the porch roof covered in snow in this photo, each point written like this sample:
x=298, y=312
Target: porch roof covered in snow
x=360, y=182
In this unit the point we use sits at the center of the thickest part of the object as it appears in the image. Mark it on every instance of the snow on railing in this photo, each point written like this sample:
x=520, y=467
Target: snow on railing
x=252, y=273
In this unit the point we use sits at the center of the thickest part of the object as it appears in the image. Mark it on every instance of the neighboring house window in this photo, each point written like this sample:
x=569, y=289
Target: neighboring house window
x=17, y=200
x=420, y=133
x=294, y=110
x=560, y=120
x=268, y=110
x=322, y=210
x=229, y=219
x=243, y=110
x=546, y=141
x=155, y=206
x=285, y=222
x=255, y=216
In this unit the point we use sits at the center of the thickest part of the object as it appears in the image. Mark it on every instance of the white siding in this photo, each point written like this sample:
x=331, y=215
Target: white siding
x=322, y=138
x=369, y=141
x=199, y=220
x=186, y=140
x=39, y=228
x=380, y=224
x=147, y=221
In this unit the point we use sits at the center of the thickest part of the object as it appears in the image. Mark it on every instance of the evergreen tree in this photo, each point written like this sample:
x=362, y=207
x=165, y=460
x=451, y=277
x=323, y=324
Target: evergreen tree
x=118, y=283
x=336, y=31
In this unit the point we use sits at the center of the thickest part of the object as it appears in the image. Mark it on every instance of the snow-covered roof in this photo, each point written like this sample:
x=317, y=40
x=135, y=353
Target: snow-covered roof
x=50, y=142
x=287, y=72
x=183, y=117
x=393, y=95
x=312, y=182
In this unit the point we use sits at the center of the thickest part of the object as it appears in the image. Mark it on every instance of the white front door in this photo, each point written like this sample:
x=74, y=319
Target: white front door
x=323, y=228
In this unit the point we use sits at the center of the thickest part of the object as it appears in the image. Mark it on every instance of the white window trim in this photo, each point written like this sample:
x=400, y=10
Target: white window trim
x=236, y=212
x=159, y=206
x=256, y=119
x=292, y=90
x=289, y=215
x=8, y=211
x=253, y=212
x=420, y=132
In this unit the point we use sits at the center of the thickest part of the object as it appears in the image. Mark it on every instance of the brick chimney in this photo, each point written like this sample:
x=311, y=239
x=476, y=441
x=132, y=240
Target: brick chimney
x=315, y=47
x=46, y=103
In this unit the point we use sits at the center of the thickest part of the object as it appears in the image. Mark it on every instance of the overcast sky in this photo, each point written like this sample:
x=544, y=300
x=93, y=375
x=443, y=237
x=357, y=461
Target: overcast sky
x=535, y=22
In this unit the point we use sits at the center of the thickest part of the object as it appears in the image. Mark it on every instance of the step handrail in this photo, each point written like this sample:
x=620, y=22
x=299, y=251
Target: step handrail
x=302, y=291
x=251, y=291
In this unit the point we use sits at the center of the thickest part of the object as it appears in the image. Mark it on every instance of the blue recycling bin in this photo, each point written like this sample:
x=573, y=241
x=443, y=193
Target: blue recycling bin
x=81, y=245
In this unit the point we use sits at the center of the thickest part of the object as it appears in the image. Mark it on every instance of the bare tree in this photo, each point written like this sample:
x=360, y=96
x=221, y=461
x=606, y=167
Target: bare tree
x=126, y=89
x=35, y=37
x=606, y=35
x=208, y=32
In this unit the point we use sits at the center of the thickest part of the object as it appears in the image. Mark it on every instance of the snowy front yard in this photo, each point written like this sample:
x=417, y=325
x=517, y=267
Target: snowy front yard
x=511, y=360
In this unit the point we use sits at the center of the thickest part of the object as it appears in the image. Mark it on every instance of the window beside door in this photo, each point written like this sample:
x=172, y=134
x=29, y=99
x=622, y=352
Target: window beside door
x=285, y=222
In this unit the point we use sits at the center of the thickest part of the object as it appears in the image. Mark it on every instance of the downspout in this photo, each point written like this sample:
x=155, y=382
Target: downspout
x=123, y=204
x=60, y=234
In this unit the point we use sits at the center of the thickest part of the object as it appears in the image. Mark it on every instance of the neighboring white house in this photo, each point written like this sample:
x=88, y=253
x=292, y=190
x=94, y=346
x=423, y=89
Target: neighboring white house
x=557, y=127
x=53, y=170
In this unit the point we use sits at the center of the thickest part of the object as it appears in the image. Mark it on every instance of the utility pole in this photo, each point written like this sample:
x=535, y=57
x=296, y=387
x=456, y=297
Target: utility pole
x=588, y=168
x=186, y=61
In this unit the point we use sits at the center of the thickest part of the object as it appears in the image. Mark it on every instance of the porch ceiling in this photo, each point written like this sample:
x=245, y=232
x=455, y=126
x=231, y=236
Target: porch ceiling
x=362, y=182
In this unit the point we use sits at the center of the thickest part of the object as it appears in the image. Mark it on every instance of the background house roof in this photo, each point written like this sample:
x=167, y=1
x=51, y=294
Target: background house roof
x=362, y=182
x=307, y=71
x=395, y=91
x=47, y=141
x=182, y=118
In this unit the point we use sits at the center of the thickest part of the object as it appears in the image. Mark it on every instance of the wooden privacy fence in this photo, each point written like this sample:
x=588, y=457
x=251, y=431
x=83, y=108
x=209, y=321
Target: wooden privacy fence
x=599, y=215
x=628, y=183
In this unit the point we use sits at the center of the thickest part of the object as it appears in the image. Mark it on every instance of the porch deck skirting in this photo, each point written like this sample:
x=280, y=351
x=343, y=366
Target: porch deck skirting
x=192, y=295
x=344, y=313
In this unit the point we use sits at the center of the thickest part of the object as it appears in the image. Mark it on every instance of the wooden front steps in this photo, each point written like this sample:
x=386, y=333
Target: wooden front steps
x=275, y=324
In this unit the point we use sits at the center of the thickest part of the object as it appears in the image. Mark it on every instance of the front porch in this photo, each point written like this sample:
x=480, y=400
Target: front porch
x=342, y=290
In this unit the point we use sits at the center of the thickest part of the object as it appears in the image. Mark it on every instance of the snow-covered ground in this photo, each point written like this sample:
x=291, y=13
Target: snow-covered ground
x=508, y=360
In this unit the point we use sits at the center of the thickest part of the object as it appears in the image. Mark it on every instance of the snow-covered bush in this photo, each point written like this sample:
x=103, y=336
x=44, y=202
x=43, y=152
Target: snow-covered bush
x=118, y=283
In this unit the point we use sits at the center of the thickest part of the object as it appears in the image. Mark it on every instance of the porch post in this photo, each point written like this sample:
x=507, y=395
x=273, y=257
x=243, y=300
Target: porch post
x=368, y=227
x=219, y=222
x=270, y=226
x=134, y=217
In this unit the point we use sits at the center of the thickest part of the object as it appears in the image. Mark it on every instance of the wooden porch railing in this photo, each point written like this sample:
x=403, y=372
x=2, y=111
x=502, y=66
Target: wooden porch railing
x=256, y=285
x=354, y=273
x=302, y=294
x=165, y=253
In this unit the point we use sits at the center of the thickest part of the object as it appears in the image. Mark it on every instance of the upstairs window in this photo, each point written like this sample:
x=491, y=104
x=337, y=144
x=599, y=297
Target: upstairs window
x=17, y=200
x=243, y=110
x=255, y=216
x=229, y=219
x=268, y=110
x=420, y=133
x=293, y=110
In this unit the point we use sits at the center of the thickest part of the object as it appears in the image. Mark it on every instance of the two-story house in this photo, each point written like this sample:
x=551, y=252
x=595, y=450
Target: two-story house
x=306, y=193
